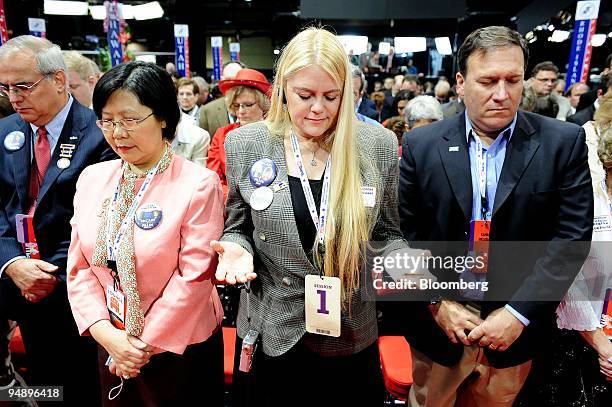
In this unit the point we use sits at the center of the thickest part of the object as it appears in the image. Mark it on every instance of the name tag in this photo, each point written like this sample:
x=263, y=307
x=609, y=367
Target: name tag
x=606, y=313
x=602, y=223
x=25, y=235
x=322, y=301
x=115, y=302
x=479, y=244
x=369, y=196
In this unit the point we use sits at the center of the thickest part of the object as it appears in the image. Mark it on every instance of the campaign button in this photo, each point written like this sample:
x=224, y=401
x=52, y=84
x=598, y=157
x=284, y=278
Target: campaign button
x=148, y=216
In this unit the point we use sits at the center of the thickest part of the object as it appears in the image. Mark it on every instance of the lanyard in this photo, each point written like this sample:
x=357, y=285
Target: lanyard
x=113, y=247
x=481, y=168
x=318, y=220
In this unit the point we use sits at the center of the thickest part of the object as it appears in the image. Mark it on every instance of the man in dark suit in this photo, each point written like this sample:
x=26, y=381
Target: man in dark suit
x=520, y=178
x=587, y=114
x=46, y=145
x=363, y=105
x=454, y=107
x=215, y=115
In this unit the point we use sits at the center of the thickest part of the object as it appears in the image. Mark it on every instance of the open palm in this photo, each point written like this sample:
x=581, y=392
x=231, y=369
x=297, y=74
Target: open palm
x=235, y=263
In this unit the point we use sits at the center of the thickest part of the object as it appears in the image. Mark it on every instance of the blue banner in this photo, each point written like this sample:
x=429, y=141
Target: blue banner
x=114, y=28
x=580, y=53
x=181, y=47
x=234, y=48
x=217, y=44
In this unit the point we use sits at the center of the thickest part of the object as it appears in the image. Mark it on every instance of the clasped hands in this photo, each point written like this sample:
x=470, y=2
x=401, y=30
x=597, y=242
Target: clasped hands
x=33, y=277
x=498, y=331
x=129, y=353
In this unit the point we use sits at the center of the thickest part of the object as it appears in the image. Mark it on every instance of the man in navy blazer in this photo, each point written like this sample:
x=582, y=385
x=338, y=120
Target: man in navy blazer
x=526, y=178
x=33, y=291
x=364, y=105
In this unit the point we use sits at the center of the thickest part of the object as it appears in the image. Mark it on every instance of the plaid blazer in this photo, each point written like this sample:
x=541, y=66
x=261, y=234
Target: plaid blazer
x=271, y=235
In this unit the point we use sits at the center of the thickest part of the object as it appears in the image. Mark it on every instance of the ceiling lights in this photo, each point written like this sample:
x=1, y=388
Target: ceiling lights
x=410, y=44
x=443, y=46
x=146, y=11
x=357, y=44
x=66, y=8
x=559, y=36
x=598, y=40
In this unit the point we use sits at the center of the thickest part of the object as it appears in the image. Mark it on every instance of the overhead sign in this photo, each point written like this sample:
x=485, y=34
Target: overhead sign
x=580, y=53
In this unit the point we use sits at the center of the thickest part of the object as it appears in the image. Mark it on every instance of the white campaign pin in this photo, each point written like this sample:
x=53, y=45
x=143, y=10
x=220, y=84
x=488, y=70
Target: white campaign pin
x=14, y=140
x=63, y=163
x=261, y=198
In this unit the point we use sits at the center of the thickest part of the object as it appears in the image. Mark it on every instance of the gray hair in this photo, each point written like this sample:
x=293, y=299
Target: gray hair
x=49, y=58
x=486, y=39
x=357, y=73
x=423, y=108
x=201, y=82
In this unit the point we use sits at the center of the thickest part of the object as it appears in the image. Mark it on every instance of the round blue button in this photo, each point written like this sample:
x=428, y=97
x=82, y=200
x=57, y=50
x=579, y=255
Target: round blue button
x=148, y=216
x=262, y=173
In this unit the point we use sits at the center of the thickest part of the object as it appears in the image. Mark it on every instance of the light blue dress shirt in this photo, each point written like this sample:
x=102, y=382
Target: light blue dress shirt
x=54, y=127
x=366, y=119
x=494, y=155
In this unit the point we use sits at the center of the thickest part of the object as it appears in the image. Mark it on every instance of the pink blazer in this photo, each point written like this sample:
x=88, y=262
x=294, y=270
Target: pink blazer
x=174, y=262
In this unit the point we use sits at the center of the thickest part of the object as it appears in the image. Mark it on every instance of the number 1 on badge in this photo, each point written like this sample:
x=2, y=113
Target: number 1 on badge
x=322, y=303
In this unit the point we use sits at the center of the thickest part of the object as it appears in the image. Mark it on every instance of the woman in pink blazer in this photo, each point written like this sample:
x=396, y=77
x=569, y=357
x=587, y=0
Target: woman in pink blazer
x=140, y=263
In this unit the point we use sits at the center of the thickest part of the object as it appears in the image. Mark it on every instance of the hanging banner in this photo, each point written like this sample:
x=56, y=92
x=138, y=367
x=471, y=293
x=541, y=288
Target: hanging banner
x=112, y=26
x=217, y=45
x=580, y=53
x=181, y=49
x=234, y=51
x=37, y=27
x=3, y=30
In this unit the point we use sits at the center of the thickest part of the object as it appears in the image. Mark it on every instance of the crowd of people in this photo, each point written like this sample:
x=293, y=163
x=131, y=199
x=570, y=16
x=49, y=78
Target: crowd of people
x=127, y=196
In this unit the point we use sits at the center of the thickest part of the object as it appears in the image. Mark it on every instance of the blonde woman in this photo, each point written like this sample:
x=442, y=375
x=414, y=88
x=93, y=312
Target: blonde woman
x=601, y=122
x=309, y=163
x=581, y=309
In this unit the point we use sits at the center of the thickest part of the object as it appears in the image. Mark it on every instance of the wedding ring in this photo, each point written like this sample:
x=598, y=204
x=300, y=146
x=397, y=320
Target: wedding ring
x=493, y=347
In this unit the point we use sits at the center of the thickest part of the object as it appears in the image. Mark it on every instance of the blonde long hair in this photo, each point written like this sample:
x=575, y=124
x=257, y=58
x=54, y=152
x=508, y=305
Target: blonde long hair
x=347, y=229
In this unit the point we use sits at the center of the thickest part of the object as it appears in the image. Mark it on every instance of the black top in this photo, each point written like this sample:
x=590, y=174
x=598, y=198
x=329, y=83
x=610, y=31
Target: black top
x=306, y=229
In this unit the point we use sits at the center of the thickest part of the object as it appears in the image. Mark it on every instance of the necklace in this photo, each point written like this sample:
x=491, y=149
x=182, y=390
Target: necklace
x=313, y=162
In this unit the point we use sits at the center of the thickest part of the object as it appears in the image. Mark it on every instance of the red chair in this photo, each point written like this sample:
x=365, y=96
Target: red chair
x=16, y=346
x=396, y=364
x=229, y=343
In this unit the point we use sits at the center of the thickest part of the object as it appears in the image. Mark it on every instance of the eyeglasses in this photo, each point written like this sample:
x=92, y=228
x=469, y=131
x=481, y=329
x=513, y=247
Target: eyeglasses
x=245, y=106
x=126, y=124
x=20, y=90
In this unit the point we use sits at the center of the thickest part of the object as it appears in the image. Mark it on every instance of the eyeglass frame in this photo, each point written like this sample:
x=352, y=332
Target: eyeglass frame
x=100, y=123
x=17, y=89
x=245, y=106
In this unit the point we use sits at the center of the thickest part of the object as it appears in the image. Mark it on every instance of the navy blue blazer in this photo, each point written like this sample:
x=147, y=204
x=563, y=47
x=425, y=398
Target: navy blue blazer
x=55, y=201
x=540, y=229
x=368, y=108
